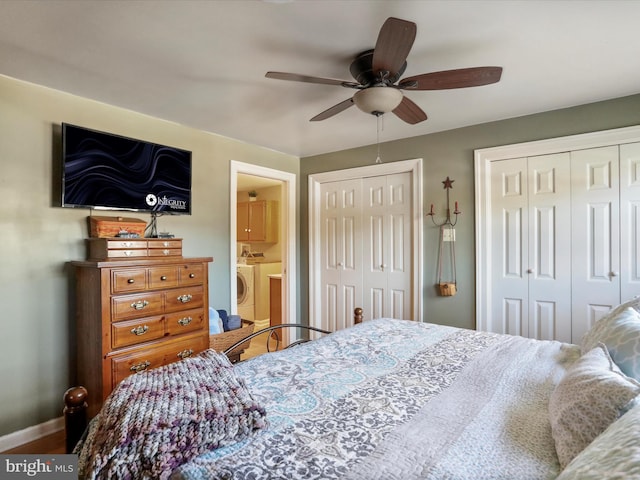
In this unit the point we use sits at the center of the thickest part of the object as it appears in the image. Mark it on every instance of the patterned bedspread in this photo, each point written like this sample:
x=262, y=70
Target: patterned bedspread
x=392, y=399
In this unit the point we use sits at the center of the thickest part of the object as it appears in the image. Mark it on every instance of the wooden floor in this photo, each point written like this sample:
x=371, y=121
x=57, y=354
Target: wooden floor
x=53, y=443
x=258, y=346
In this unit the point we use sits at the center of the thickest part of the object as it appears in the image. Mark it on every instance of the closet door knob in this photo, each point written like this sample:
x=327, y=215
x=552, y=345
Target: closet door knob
x=530, y=270
x=613, y=274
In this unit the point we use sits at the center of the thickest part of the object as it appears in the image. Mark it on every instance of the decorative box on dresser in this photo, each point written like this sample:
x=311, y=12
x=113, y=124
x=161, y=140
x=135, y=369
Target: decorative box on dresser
x=139, y=305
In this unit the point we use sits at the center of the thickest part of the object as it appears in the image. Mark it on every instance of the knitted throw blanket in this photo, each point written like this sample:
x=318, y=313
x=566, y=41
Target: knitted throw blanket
x=155, y=421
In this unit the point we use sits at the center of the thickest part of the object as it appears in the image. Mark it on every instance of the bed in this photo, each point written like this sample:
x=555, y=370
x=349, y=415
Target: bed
x=385, y=399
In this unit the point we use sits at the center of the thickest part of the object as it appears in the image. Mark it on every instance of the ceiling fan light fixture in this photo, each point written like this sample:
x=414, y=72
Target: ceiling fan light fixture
x=378, y=100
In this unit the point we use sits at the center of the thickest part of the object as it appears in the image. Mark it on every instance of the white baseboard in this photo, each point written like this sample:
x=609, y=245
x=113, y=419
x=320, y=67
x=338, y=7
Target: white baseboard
x=30, y=434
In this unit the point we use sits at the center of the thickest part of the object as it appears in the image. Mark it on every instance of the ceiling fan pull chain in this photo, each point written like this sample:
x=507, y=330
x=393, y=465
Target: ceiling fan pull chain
x=378, y=120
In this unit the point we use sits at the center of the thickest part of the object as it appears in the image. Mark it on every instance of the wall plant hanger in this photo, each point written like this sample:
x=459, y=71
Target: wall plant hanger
x=447, y=234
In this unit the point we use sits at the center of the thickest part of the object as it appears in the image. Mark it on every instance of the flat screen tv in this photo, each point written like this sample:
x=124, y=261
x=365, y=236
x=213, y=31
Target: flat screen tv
x=110, y=172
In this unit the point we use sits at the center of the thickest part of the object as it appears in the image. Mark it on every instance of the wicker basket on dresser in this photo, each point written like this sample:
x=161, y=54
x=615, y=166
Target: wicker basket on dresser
x=139, y=304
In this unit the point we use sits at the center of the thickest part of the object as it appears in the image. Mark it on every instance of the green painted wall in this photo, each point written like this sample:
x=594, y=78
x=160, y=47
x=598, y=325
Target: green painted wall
x=36, y=327
x=450, y=154
x=36, y=330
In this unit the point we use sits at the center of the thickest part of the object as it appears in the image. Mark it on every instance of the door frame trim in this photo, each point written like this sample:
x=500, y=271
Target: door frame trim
x=414, y=167
x=288, y=231
x=482, y=162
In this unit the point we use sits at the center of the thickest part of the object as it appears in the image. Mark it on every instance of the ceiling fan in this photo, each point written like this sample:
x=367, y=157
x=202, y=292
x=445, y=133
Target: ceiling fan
x=377, y=71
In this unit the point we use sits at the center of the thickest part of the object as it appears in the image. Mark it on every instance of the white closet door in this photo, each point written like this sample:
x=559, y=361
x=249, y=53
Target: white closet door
x=530, y=247
x=549, y=262
x=596, y=235
x=509, y=247
x=341, y=256
x=387, y=246
x=629, y=220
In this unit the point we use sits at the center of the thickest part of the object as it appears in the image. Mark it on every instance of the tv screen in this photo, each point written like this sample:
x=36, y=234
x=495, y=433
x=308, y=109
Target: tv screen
x=111, y=172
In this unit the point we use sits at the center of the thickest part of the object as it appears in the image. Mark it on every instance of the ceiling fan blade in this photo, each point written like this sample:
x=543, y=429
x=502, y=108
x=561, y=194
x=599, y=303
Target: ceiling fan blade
x=410, y=112
x=460, y=78
x=330, y=112
x=296, y=77
x=393, y=45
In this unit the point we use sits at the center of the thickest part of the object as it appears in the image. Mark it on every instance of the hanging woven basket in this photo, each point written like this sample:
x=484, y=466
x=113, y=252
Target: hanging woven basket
x=447, y=289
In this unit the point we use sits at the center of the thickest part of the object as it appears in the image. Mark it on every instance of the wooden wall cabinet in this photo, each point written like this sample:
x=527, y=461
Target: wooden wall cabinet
x=136, y=314
x=257, y=222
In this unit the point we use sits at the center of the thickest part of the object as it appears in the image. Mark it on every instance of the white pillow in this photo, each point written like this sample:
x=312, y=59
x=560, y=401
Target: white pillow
x=622, y=339
x=593, y=335
x=613, y=455
x=590, y=397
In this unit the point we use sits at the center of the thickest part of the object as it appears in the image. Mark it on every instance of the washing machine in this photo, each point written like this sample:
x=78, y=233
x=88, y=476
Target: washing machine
x=246, y=291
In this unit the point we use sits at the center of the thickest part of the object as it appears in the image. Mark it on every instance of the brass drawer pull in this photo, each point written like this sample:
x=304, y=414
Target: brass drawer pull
x=165, y=244
x=140, y=304
x=185, y=298
x=166, y=252
x=127, y=253
x=192, y=275
x=185, y=353
x=131, y=280
x=185, y=321
x=163, y=278
x=140, y=367
x=140, y=330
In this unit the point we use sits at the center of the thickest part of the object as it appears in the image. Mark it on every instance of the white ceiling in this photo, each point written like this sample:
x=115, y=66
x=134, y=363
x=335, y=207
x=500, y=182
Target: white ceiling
x=202, y=63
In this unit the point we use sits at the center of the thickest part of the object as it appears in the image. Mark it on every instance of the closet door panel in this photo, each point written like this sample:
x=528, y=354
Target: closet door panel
x=341, y=261
x=398, y=261
x=513, y=319
x=509, y=244
x=330, y=312
x=549, y=258
x=375, y=248
x=544, y=322
x=387, y=245
x=596, y=235
x=629, y=220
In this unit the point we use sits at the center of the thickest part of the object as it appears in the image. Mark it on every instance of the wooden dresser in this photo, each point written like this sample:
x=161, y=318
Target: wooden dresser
x=140, y=305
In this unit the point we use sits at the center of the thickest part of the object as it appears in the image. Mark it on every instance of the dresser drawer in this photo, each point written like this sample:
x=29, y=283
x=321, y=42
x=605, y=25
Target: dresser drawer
x=131, y=306
x=128, y=253
x=161, y=277
x=122, y=244
x=183, y=298
x=192, y=274
x=124, y=365
x=140, y=330
x=185, y=321
x=162, y=243
x=164, y=252
x=103, y=248
x=128, y=280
